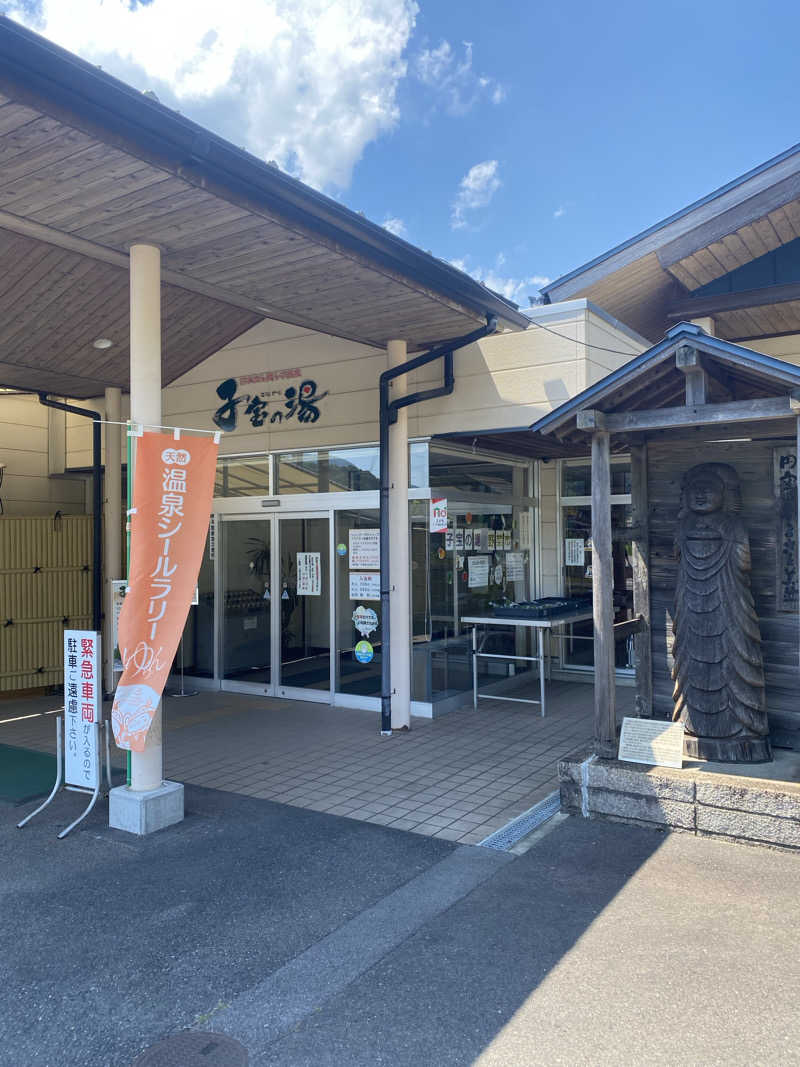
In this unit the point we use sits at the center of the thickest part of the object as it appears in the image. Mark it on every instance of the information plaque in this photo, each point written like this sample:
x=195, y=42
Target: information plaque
x=651, y=741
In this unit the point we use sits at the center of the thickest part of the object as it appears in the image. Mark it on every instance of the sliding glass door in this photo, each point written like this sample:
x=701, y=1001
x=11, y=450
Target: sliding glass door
x=303, y=607
x=245, y=610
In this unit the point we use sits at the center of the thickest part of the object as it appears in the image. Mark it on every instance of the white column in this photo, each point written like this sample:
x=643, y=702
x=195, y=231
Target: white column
x=399, y=536
x=147, y=767
x=112, y=518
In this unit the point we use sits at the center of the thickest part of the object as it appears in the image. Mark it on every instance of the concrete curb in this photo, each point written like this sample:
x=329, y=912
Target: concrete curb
x=751, y=810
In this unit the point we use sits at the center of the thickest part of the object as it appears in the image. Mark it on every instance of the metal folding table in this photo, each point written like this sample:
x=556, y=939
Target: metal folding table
x=539, y=625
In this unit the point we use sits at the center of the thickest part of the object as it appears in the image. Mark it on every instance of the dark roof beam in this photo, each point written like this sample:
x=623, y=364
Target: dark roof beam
x=718, y=303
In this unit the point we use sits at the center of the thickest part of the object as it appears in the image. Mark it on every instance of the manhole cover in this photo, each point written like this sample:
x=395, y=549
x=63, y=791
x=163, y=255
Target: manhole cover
x=194, y=1049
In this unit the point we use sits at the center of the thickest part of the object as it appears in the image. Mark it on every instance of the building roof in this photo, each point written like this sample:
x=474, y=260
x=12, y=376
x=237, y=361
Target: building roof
x=653, y=380
x=91, y=166
x=648, y=280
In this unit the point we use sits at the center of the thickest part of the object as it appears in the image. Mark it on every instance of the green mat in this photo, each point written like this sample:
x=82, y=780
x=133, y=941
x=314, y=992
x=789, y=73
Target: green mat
x=25, y=774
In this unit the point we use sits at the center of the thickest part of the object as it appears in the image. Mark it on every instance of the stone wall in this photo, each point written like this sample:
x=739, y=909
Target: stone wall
x=751, y=810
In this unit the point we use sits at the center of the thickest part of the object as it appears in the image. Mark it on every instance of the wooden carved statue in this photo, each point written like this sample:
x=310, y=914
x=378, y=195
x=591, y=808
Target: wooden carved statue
x=718, y=670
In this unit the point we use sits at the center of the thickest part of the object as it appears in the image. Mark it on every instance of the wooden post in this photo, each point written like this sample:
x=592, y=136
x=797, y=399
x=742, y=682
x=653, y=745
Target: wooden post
x=641, y=581
x=688, y=360
x=605, y=716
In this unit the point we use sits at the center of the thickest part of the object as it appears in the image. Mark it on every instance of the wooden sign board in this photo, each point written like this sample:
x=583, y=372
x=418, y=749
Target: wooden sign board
x=651, y=741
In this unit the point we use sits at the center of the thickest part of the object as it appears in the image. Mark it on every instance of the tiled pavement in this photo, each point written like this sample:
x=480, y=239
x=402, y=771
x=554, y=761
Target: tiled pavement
x=459, y=777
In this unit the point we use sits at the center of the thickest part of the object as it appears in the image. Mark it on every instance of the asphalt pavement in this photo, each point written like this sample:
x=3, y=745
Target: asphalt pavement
x=318, y=940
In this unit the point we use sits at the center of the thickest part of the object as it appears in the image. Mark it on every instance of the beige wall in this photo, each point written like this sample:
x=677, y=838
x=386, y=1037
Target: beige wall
x=25, y=448
x=786, y=348
x=346, y=371
x=504, y=381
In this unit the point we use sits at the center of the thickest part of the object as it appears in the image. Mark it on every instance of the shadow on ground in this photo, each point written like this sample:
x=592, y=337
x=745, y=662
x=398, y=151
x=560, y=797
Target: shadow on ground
x=153, y=935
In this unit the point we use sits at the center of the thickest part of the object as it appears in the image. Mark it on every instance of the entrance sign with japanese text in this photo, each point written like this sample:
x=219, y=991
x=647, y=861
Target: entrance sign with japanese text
x=365, y=585
x=574, y=552
x=478, y=572
x=365, y=549
x=309, y=573
x=172, y=494
x=82, y=708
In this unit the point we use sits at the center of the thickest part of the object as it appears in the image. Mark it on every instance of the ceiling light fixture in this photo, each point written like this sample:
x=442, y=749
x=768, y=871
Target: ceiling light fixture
x=102, y=342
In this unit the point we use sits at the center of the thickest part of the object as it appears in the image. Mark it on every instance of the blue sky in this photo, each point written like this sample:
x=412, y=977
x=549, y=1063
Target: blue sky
x=517, y=140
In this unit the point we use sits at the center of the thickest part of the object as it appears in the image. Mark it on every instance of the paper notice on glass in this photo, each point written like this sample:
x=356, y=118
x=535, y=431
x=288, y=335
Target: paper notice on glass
x=490, y=540
x=438, y=517
x=468, y=540
x=449, y=539
x=507, y=543
x=118, y=590
x=480, y=540
x=651, y=741
x=365, y=585
x=515, y=566
x=574, y=551
x=478, y=572
x=525, y=537
x=309, y=573
x=365, y=549
x=460, y=538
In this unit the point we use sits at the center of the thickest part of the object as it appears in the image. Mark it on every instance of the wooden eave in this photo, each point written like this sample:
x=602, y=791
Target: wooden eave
x=518, y=443
x=643, y=280
x=89, y=166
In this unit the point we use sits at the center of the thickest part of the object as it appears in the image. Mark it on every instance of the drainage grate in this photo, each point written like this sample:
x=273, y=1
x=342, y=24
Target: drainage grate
x=194, y=1048
x=514, y=831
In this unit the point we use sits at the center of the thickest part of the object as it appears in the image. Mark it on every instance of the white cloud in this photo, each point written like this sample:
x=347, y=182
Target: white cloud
x=512, y=288
x=559, y=211
x=395, y=226
x=475, y=190
x=455, y=79
x=308, y=83
x=516, y=289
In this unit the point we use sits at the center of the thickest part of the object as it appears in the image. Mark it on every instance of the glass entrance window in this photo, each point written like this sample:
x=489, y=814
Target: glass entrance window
x=576, y=529
x=359, y=645
x=304, y=599
x=196, y=651
x=481, y=561
x=246, y=591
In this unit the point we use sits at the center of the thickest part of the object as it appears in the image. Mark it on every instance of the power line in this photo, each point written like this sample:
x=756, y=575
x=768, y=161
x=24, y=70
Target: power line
x=598, y=348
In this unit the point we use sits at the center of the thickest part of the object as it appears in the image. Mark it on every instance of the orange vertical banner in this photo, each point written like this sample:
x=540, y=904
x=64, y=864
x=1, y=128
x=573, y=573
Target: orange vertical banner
x=172, y=493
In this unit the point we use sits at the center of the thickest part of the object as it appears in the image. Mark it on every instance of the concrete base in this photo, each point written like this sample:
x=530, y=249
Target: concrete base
x=696, y=799
x=145, y=812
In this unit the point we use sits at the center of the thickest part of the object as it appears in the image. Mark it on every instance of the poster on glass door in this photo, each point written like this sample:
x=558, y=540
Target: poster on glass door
x=365, y=585
x=309, y=573
x=365, y=549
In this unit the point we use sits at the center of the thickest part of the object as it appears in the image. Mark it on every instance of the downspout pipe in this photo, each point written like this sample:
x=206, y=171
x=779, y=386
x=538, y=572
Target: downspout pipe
x=97, y=502
x=387, y=417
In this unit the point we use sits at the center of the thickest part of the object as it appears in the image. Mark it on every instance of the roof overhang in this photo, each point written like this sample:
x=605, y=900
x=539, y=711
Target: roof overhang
x=91, y=166
x=647, y=281
x=650, y=394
